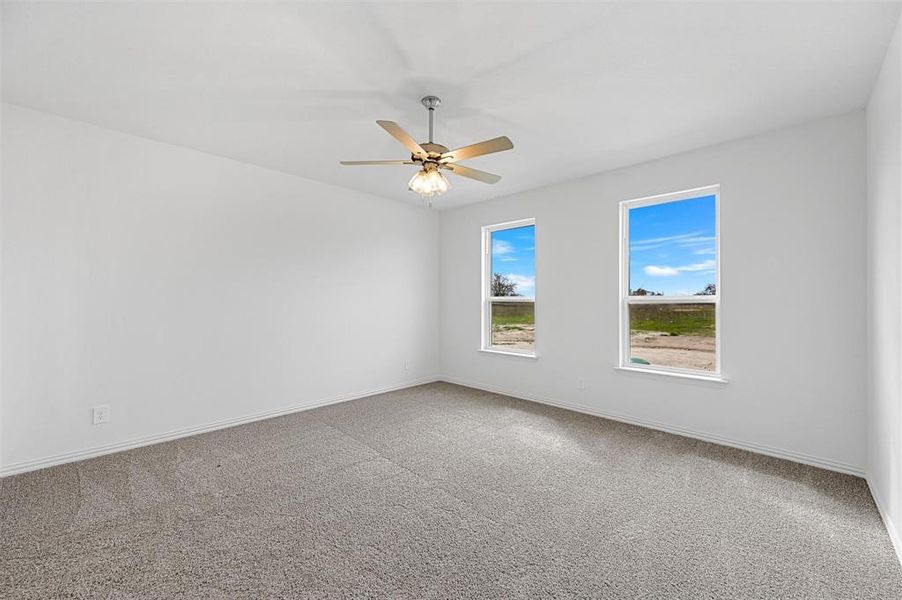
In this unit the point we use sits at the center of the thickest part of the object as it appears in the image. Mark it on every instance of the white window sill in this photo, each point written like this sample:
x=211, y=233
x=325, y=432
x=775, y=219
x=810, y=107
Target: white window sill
x=508, y=353
x=658, y=372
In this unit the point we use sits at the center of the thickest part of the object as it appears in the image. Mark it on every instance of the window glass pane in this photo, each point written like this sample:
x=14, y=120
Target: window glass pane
x=673, y=248
x=514, y=262
x=514, y=325
x=673, y=335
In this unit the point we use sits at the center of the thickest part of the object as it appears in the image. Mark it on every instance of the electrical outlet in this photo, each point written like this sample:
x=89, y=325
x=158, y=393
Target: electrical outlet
x=406, y=365
x=101, y=414
x=580, y=383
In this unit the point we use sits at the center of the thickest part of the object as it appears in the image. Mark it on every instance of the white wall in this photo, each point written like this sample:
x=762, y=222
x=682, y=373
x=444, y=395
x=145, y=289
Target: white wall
x=184, y=289
x=884, y=260
x=1, y=264
x=793, y=281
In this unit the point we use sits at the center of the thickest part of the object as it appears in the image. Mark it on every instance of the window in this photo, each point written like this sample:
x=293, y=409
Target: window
x=509, y=287
x=670, y=283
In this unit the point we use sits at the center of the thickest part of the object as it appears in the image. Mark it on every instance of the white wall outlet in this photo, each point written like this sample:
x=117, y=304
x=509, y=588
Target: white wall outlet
x=580, y=383
x=101, y=414
x=406, y=365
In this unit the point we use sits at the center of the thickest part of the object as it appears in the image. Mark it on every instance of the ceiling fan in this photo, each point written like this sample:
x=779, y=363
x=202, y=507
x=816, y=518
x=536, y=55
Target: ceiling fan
x=433, y=158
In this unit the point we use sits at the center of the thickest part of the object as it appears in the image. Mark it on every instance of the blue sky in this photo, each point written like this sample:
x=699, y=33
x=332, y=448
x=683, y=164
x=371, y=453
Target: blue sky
x=672, y=246
x=514, y=255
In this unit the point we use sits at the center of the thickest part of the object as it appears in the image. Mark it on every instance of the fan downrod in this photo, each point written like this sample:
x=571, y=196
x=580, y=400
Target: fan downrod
x=430, y=102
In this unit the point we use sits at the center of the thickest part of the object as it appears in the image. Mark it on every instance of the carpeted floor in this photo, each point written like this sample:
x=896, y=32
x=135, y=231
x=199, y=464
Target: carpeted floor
x=440, y=491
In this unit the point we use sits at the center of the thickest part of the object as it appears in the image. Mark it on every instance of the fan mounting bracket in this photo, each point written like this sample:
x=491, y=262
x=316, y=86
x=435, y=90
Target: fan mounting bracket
x=431, y=102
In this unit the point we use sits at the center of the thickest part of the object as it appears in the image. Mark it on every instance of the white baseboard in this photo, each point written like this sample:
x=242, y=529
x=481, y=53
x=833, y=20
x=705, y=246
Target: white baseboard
x=894, y=534
x=48, y=461
x=824, y=463
x=58, y=459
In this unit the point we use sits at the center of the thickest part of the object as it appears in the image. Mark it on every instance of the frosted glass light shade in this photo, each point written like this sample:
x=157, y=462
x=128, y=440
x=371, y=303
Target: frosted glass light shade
x=428, y=182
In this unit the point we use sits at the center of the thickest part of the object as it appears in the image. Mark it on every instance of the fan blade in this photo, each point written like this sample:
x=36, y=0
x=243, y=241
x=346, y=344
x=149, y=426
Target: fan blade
x=472, y=173
x=497, y=144
x=399, y=134
x=376, y=162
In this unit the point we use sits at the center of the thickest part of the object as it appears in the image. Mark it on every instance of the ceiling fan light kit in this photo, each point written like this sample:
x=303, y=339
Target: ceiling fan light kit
x=432, y=158
x=428, y=182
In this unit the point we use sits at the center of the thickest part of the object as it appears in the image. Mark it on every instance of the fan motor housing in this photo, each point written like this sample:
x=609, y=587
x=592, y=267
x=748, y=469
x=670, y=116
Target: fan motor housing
x=434, y=150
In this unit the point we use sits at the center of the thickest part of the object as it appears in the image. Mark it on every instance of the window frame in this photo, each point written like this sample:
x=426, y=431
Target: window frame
x=626, y=300
x=485, y=344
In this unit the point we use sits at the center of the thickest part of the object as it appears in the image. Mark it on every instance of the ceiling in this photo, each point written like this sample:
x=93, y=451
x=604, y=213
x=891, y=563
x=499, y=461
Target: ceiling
x=579, y=87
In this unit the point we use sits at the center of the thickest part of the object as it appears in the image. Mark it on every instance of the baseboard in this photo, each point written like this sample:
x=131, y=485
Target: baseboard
x=66, y=457
x=894, y=534
x=823, y=463
x=57, y=459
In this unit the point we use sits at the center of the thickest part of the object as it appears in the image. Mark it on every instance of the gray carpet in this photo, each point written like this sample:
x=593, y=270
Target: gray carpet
x=440, y=491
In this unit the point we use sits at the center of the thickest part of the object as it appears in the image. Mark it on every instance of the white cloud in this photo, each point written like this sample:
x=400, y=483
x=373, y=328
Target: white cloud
x=708, y=265
x=706, y=251
x=656, y=271
x=635, y=249
x=696, y=241
x=667, y=238
x=525, y=285
x=502, y=247
x=508, y=259
x=652, y=243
